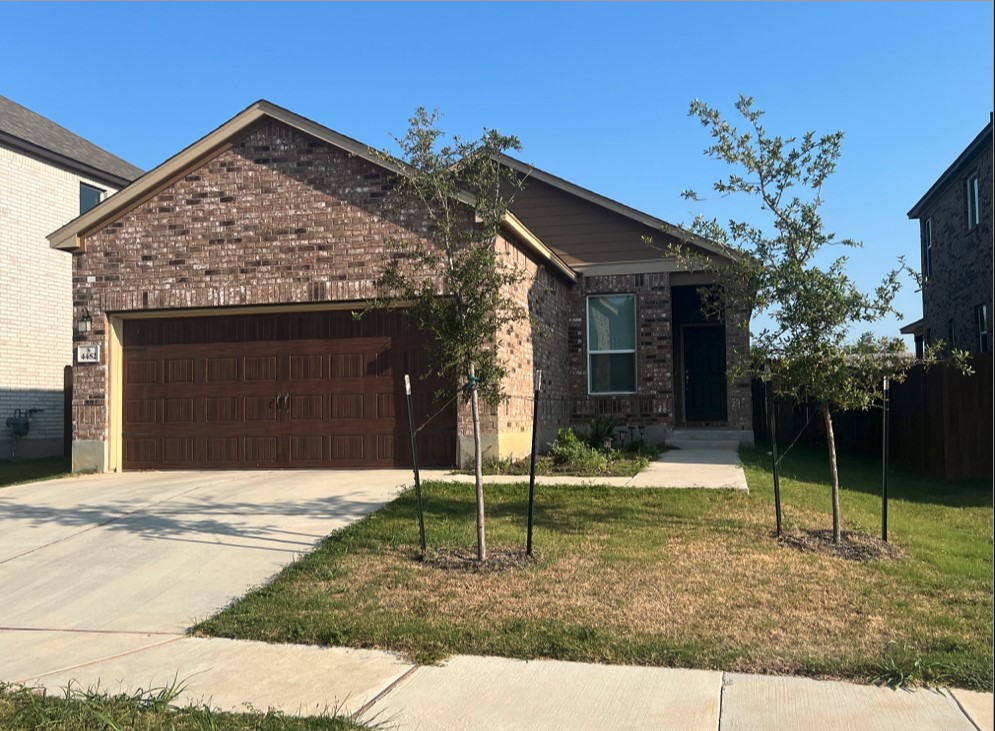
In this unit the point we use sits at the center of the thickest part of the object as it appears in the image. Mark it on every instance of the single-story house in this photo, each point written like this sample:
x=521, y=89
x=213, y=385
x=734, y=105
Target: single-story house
x=220, y=290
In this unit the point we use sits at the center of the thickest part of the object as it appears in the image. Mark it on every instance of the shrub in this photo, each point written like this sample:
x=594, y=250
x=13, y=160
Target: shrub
x=570, y=452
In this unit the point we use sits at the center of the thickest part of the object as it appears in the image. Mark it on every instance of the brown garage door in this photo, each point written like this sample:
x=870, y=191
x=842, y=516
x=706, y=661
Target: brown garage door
x=316, y=389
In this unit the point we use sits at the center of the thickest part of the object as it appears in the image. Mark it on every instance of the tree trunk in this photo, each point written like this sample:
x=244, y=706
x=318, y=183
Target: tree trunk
x=478, y=467
x=833, y=472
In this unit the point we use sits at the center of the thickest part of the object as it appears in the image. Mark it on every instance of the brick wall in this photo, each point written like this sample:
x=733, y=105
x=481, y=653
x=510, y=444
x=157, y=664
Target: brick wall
x=962, y=260
x=35, y=296
x=279, y=218
x=653, y=403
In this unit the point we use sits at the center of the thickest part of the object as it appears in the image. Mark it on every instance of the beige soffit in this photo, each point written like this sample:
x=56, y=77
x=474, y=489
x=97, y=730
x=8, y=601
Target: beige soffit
x=657, y=224
x=70, y=237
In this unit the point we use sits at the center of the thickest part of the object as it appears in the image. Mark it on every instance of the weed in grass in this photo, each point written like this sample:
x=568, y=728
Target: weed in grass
x=29, y=709
x=902, y=666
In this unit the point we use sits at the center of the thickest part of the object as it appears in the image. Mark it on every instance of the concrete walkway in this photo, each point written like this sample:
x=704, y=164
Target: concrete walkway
x=471, y=693
x=678, y=468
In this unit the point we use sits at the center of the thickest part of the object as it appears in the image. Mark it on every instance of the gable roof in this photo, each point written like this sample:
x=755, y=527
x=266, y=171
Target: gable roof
x=69, y=237
x=656, y=225
x=983, y=139
x=32, y=133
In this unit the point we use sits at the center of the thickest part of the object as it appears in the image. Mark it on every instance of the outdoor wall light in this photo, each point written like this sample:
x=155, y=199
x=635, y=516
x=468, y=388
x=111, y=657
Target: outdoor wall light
x=85, y=324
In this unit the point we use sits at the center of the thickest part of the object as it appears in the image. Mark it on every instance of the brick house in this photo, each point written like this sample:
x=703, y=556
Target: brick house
x=222, y=287
x=48, y=176
x=955, y=228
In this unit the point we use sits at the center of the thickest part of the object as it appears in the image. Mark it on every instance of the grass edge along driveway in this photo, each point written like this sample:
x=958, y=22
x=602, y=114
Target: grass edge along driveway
x=684, y=578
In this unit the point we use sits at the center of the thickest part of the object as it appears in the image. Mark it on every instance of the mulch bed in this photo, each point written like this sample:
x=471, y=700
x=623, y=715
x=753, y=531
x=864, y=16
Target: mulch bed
x=465, y=560
x=853, y=546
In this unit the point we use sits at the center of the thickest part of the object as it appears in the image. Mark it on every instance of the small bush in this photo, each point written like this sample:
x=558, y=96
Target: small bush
x=598, y=430
x=569, y=451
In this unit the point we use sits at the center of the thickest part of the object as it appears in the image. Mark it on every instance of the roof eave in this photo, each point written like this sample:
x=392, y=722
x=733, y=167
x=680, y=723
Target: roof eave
x=513, y=225
x=657, y=224
x=60, y=160
x=952, y=171
x=68, y=237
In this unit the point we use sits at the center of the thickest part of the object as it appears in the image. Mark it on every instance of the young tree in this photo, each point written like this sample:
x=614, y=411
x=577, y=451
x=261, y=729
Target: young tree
x=452, y=279
x=776, y=267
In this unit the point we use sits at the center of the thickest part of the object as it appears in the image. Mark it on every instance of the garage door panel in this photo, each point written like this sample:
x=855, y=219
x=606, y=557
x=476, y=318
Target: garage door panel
x=256, y=368
x=308, y=407
x=265, y=392
x=347, y=365
x=259, y=408
x=262, y=450
x=222, y=370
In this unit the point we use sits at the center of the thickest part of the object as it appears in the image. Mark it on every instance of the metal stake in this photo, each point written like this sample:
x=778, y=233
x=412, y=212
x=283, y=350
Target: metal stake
x=884, y=462
x=414, y=459
x=772, y=420
x=532, y=465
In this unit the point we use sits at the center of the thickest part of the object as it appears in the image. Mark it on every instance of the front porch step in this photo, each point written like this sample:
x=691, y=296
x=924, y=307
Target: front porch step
x=705, y=438
x=730, y=445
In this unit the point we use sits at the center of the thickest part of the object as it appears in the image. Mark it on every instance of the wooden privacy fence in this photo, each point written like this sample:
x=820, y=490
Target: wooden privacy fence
x=940, y=422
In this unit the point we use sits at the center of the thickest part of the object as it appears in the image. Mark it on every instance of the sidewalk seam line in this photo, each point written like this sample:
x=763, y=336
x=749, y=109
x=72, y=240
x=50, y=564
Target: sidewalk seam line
x=94, y=631
x=962, y=709
x=722, y=694
x=383, y=693
x=99, y=660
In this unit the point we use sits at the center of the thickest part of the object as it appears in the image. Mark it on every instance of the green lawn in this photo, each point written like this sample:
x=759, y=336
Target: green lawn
x=688, y=578
x=24, y=710
x=29, y=470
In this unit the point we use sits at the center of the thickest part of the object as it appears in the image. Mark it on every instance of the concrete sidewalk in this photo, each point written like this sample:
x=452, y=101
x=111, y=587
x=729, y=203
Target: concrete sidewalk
x=470, y=693
x=715, y=469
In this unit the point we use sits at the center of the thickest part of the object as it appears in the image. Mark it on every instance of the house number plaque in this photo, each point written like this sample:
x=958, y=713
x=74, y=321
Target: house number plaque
x=87, y=354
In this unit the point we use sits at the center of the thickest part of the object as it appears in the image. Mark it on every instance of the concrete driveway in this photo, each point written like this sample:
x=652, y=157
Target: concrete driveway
x=158, y=551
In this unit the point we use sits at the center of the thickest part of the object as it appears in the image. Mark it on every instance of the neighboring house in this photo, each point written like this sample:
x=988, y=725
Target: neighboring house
x=48, y=176
x=955, y=227
x=222, y=286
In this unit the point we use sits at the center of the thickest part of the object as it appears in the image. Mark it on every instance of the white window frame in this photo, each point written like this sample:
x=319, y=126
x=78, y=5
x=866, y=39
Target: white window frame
x=973, y=201
x=927, y=258
x=587, y=340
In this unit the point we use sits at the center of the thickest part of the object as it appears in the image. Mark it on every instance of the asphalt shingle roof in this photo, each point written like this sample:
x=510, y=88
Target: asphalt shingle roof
x=22, y=123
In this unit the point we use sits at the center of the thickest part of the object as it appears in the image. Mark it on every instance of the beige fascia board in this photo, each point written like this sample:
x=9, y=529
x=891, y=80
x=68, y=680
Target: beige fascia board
x=71, y=236
x=641, y=266
x=523, y=234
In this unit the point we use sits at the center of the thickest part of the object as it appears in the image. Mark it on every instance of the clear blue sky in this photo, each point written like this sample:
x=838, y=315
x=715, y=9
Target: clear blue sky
x=598, y=93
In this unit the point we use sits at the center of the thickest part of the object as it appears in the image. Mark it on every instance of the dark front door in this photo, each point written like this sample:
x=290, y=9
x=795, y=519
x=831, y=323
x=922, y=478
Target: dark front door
x=301, y=390
x=704, y=374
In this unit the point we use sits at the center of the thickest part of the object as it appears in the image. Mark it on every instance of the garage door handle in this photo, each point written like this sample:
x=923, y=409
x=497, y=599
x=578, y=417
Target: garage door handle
x=286, y=401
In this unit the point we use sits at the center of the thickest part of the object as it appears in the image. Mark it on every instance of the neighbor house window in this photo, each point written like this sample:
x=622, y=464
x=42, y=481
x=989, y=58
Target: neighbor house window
x=88, y=197
x=973, y=201
x=611, y=343
x=951, y=335
x=927, y=248
x=929, y=336
x=981, y=317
